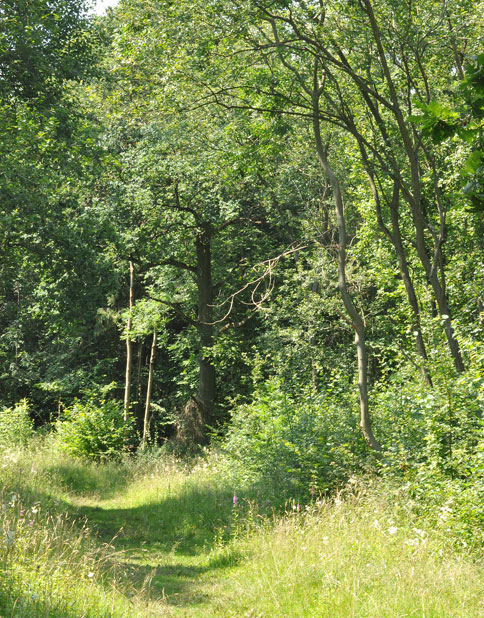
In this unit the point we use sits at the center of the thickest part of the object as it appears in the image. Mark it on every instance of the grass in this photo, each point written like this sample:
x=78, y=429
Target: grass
x=148, y=537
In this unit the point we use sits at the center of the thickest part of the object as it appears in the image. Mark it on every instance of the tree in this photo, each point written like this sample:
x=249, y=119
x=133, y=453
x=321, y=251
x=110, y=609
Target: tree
x=46, y=149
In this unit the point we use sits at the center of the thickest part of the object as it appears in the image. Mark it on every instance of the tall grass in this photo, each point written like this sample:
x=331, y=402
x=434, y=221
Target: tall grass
x=148, y=536
x=360, y=557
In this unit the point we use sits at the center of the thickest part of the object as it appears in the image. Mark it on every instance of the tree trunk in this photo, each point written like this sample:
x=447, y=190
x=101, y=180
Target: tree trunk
x=149, y=388
x=129, y=354
x=206, y=386
x=395, y=237
x=414, y=199
x=139, y=404
x=407, y=281
x=438, y=288
x=355, y=317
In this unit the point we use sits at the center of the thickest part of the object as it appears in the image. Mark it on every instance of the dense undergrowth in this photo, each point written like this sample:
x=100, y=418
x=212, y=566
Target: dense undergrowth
x=288, y=515
x=149, y=535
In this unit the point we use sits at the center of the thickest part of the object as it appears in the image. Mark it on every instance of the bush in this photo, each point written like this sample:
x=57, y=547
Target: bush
x=16, y=426
x=294, y=446
x=94, y=430
x=434, y=441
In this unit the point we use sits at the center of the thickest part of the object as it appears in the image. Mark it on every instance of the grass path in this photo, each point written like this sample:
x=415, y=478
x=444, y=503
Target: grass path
x=174, y=531
x=184, y=551
x=182, y=535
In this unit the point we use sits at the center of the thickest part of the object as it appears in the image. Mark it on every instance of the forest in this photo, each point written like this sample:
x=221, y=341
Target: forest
x=242, y=306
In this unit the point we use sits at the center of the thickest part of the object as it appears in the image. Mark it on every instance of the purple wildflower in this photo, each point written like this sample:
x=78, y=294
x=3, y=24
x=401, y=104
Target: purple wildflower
x=234, y=499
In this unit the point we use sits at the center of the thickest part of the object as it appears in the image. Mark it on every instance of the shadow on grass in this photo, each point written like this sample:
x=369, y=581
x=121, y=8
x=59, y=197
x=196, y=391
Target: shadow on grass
x=174, y=541
x=186, y=523
x=171, y=541
x=173, y=581
x=87, y=480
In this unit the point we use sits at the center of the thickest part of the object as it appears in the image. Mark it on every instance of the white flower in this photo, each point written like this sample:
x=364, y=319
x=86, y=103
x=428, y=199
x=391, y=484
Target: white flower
x=392, y=530
x=412, y=542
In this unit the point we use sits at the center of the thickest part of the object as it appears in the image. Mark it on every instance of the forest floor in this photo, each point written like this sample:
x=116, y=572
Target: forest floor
x=168, y=541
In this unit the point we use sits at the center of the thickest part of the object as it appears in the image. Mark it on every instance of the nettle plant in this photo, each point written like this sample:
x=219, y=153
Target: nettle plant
x=16, y=426
x=94, y=430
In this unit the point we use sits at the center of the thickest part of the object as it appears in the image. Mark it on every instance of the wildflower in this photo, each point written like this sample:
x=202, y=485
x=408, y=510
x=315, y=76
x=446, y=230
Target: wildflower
x=90, y=575
x=298, y=507
x=31, y=523
x=392, y=530
x=234, y=500
x=412, y=542
x=21, y=512
x=21, y=521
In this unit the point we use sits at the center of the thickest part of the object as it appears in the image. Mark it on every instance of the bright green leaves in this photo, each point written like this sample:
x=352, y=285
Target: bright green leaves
x=437, y=121
x=473, y=86
x=441, y=122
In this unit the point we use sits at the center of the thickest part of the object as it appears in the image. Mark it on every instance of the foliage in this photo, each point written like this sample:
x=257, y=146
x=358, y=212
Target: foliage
x=294, y=445
x=16, y=425
x=190, y=154
x=434, y=448
x=43, y=43
x=94, y=430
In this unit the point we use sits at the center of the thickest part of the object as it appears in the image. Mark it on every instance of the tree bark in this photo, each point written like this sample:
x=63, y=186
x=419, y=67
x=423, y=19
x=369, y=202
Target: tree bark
x=139, y=404
x=414, y=198
x=129, y=350
x=407, y=281
x=355, y=317
x=149, y=388
x=395, y=237
x=207, y=378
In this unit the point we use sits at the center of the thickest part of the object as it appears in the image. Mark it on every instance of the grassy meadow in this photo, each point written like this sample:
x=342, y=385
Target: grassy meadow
x=151, y=536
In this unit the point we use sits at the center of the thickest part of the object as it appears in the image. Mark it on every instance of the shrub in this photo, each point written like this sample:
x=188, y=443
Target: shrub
x=294, y=446
x=94, y=430
x=16, y=426
x=434, y=441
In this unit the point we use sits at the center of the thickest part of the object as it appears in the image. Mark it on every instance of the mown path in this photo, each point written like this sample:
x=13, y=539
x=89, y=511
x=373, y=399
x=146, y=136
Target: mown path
x=172, y=533
x=183, y=541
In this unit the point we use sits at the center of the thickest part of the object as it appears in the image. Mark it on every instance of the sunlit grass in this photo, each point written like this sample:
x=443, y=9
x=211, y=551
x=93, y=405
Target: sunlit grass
x=359, y=557
x=149, y=536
